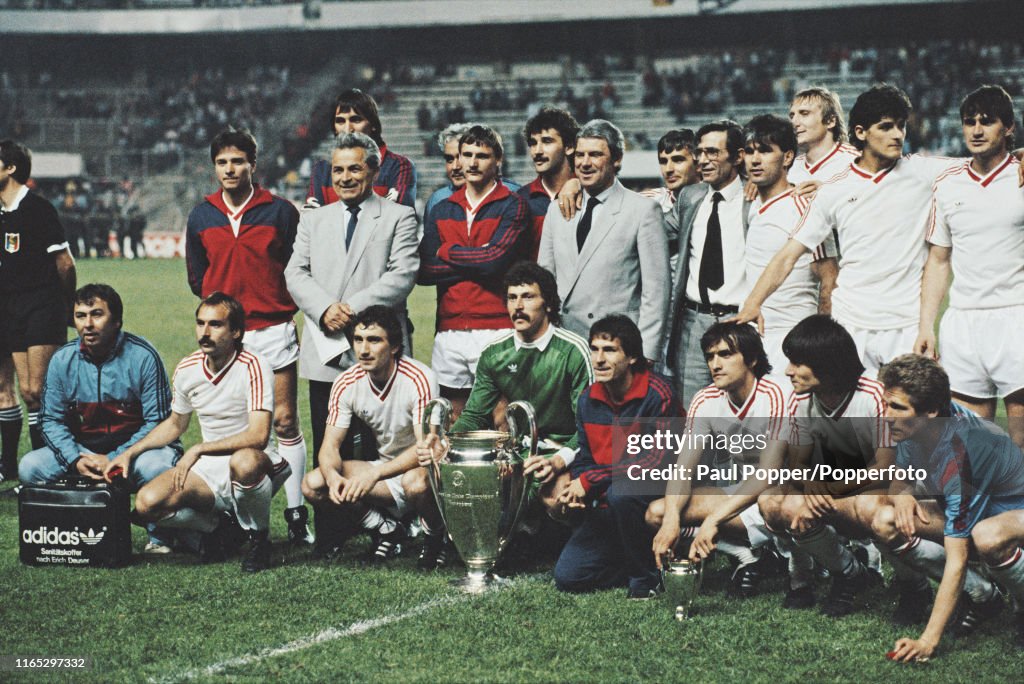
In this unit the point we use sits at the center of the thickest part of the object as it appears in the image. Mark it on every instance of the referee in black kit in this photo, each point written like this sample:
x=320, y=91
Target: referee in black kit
x=37, y=284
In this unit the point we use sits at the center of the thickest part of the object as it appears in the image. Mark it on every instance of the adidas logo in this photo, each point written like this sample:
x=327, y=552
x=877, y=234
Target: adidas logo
x=56, y=536
x=513, y=367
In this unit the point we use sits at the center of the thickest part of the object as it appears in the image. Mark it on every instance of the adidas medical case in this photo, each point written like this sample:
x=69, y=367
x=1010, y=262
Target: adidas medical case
x=74, y=523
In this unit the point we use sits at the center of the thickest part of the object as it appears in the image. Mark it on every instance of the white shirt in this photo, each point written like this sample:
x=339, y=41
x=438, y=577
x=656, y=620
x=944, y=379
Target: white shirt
x=235, y=213
x=848, y=434
x=223, y=401
x=390, y=411
x=836, y=161
x=471, y=211
x=764, y=411
x=730, y=217
x=769, y=229
x=881, y=221
x=982, y=219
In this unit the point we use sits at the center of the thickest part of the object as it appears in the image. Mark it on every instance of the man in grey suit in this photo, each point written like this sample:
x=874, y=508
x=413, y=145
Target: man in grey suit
x=612, y=257
x=710, y=283
x=348, y=255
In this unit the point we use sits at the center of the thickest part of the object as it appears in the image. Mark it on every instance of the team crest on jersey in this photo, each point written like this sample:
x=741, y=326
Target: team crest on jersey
x=12, y=242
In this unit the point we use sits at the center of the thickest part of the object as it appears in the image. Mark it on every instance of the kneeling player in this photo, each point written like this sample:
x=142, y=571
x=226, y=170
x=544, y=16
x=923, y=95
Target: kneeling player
x=838, y=411
x=740, y=401
x=976, y=474
x=611, y=547
x=234, y=468
x=388, y=392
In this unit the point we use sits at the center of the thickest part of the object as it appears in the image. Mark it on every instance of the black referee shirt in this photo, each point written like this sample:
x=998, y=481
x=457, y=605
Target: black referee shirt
x=29, y=237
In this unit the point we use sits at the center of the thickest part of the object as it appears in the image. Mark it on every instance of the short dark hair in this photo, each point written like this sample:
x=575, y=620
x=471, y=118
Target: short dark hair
x=530, y=273
x=768, y=129
x=622, y=328
x=232, y=137
x=742, y=338
x=825, y=346
x=236, y=314
x=992, y=100
x=733, y=135
x=558, y=119
x=878, y=102
x=922, y=379
x=93, y=291
x=478, y=134
x=363, y=104
x=19, y=156
x=386, y=318
x=677, y=139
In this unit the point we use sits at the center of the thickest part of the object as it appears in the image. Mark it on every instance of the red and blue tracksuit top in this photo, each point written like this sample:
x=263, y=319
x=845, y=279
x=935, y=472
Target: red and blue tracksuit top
x=396, y=172
x=538, y=200
x=103, y=407
x=249, y=266
x=600, y=458
x=468, y=263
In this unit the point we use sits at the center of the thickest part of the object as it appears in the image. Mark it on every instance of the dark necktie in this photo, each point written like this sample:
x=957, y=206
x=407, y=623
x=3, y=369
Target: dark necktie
x=353, y=218
x=712, y=271
x=583, y=227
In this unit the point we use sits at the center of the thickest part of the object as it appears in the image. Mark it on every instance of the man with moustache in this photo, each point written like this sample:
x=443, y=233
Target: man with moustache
x=612, y=256
x=469, y=242
x=238, y=241
x=540, y=362
x=976, y=231
x=551, y=139
x=710, y=277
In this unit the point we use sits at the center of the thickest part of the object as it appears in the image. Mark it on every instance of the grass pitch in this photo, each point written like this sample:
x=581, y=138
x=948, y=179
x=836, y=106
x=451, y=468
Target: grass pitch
x=170, y=619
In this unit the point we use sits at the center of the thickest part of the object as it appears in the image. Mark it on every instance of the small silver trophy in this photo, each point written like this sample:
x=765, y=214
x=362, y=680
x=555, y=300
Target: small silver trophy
x=480, y=487
x=682, y=580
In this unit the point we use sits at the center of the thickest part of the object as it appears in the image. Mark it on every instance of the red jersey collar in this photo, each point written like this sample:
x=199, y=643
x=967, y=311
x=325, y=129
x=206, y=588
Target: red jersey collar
x=637, y=390
x=876, y=178
x=537, y=188
x=260, y=195
x=991, y=174
x=773, y=200
x=821, y=162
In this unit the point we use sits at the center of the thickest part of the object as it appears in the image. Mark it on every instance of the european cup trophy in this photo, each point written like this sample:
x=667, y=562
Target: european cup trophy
x=480, y=487
x=682, y=580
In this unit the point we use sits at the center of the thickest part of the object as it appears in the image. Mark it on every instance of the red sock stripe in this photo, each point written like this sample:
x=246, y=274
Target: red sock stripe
x=242, y=486
x=1014, y=557
x=290, y=441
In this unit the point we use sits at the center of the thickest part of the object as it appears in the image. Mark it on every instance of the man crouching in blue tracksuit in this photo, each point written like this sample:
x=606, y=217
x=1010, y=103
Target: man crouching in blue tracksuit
x=104, y=392
x=612, y=546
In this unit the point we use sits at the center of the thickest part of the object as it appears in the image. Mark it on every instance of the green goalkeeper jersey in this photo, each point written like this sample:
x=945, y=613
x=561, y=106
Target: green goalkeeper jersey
x=549, y=373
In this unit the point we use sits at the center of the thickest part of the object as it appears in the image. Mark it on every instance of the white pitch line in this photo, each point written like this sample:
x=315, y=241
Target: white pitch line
x=332, y=634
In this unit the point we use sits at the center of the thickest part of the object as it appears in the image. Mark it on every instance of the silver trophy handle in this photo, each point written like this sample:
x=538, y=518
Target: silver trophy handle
x=443, y=407
x=529, y=417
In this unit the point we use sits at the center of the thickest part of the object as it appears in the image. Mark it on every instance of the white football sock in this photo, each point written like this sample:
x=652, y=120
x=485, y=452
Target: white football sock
x=930, y=558
x=191, y=519
x=1011, y=574
x=252, y=504
x=823, y=544
x=294, y=452
x=375, y=521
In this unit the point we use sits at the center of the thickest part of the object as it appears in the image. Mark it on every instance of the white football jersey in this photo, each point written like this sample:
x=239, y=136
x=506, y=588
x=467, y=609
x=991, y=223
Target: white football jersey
x=770, y=226
x=847, y=435
x=836, y=161
x=223, y=401
x=390, y=411
x=712, y=412
x=880, y=219
x=982, y=219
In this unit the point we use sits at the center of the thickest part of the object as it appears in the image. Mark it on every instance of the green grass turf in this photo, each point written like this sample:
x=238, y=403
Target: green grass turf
x=169, y=619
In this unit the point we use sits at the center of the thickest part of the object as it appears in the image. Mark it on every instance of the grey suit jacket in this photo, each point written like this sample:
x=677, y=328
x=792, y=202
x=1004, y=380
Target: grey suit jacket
x=623, y=267
x=378, y=268
x=687, y=204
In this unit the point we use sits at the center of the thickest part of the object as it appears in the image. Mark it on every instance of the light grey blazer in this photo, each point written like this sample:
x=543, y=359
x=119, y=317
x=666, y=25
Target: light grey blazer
x=623, y=267
x=378, y=268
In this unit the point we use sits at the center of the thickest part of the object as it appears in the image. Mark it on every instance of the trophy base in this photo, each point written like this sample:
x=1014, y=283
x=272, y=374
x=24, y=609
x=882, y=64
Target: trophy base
x=478, y=584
